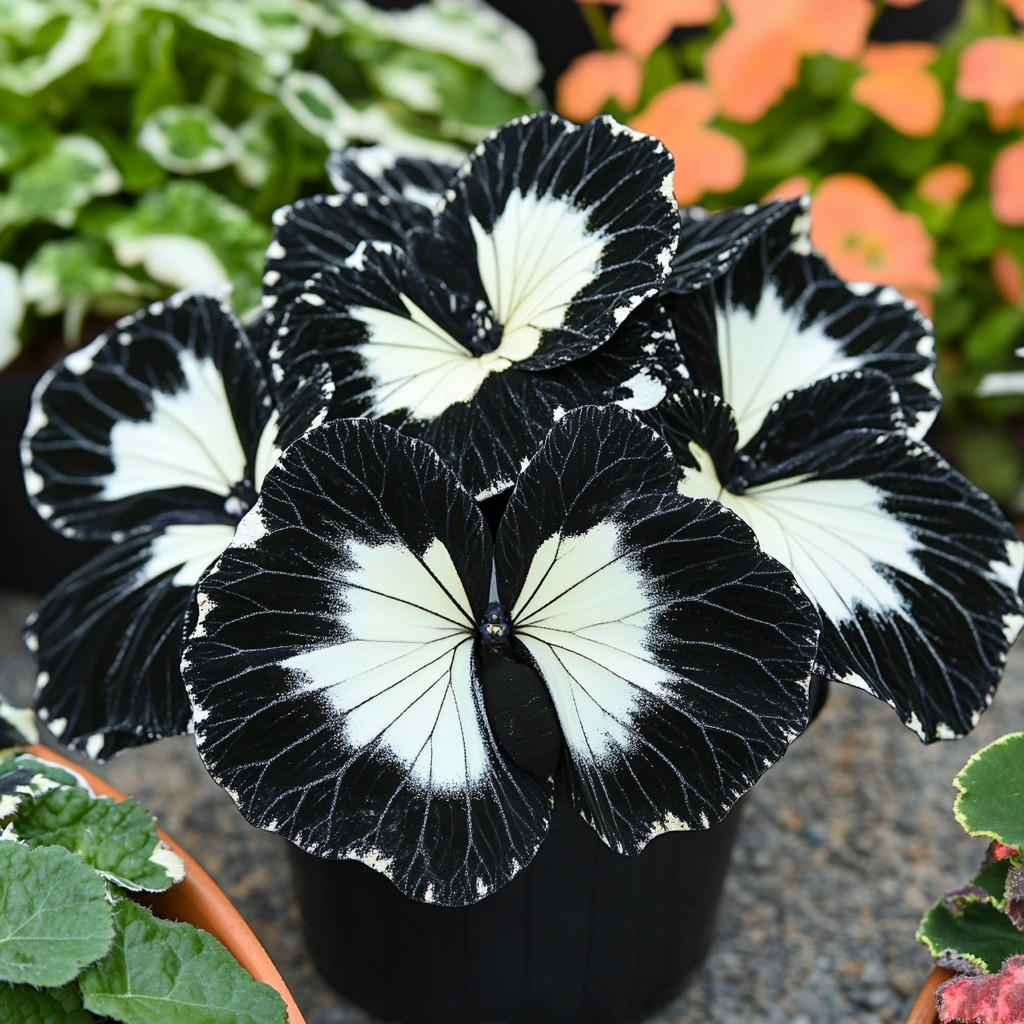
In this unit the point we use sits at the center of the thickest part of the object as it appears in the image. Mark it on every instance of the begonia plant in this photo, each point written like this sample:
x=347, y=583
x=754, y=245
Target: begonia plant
x=590, y=488
x=977, y=930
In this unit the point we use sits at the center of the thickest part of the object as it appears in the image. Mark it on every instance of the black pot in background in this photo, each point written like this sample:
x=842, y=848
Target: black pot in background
x=32, y=556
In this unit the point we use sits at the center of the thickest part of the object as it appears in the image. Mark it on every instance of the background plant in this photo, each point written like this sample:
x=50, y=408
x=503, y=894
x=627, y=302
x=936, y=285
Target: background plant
x=978, y=929
x=914, y=153
x=144, y=144
x=73, y=946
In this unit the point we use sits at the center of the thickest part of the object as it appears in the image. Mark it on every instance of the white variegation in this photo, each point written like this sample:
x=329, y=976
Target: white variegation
x=417, y=366
x=401, y=678
x=834, y=535
x=533, y=262
x=189, y=440
x=765, y=355
x=586, y=616
x=188, y=549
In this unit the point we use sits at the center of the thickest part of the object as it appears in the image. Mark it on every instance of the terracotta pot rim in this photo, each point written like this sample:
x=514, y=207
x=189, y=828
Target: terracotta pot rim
x=197, y=899
x=924, y=1010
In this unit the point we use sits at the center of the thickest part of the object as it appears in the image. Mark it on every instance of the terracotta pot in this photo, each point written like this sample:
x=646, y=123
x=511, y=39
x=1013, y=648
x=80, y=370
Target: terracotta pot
x=924, y=1010
x=196, y=899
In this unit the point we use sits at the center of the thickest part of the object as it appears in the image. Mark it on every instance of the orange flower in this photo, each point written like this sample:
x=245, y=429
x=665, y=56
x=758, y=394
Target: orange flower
x=898, y=87
x=946, y=184
x=1016, y=8
x=594, y=78
x=867, y=238
x=1007, y=184
x=706, y=160
x=757, y=58
x=1008, y=276
x=992, y=70
x=639, y=26
x=791, y=188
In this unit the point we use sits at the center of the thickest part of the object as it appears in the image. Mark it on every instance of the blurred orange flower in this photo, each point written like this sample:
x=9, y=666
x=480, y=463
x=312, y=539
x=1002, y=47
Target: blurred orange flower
x=1007, y=184
x=898, y=87
x=757, y=58
x=992, y=70
x=946, y=184
x=1008, y=276
x=866, y=237
x=791, y=188
x=594, y=78
x=639, y=26
x=706, y=160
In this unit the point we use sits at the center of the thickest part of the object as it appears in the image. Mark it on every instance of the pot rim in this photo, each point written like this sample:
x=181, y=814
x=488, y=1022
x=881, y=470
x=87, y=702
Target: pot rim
x=925, y=1010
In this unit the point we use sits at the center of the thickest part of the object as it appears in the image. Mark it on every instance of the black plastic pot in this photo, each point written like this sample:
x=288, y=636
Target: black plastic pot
x=581, y=936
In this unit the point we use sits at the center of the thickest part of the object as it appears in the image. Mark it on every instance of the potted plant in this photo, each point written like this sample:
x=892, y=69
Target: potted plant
x=975, y=933
x=531, y=505
x=85, y=871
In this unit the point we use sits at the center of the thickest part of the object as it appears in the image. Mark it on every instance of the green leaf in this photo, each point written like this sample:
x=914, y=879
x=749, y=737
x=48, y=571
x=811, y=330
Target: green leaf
x=188, y=208
x=19, y=142
x=54, y=187
x=28, y=1005
x=258, y=150
x=990, y=341
x=12, y=313
x=165, y=972
x=23, y=777
x=76, y=270
x=117, y=839
x=978, y=934
x=790, y=154
x=991, y=458
x=54, y=915
x=188, y=139
x=46, y=769
x=319, y=108
x=50, y=58
x=991, y=791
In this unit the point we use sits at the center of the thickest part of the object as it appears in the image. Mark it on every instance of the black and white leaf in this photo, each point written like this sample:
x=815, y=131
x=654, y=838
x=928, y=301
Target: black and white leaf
x=674, y=650
x=167, y=414
x=914, y=572
x=548, y=240
x=335, y=669
x=710, y=243
x=155, y=437
x=780, y=319
x=378, y=171
x=323, y=231
x=107, y=640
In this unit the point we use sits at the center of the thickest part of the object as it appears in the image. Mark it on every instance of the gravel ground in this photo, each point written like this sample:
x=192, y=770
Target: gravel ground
x=844, y=844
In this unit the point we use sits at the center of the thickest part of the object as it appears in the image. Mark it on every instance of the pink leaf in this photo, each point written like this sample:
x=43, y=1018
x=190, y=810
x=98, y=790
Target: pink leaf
x=986, y=998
